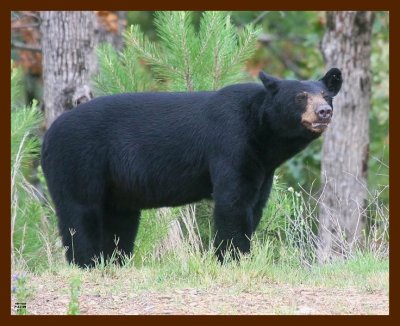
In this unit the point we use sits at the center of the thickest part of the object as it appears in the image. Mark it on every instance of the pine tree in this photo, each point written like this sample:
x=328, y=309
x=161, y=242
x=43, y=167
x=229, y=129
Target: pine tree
x=182, y=60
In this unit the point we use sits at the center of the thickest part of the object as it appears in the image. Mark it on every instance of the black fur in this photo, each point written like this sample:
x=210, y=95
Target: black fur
x=113, y=156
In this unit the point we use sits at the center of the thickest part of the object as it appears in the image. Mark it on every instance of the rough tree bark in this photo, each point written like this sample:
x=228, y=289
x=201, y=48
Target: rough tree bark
x=346, y=45
x=68, y=59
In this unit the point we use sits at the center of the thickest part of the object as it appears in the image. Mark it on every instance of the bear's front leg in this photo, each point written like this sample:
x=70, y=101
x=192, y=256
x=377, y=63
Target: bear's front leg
x=233, y=229
x=234, y=196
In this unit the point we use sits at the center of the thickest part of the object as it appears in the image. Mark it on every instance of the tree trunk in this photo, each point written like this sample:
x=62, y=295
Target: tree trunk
x=346, y=45
x=68, y=59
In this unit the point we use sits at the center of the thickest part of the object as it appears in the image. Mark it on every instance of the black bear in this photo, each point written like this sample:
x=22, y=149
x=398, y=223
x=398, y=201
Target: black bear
x=115, y=155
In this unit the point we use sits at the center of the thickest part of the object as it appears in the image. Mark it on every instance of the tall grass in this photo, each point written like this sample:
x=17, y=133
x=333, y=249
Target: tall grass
x=33, y=232
x=287, y=234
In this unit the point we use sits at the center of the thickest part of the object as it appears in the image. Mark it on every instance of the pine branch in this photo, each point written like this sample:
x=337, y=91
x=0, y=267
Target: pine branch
x=245, y=49
x=181, y=60
x=137, y=78
x=207, y=30
x=109, y=80
x=177, y=33
x=151, y=54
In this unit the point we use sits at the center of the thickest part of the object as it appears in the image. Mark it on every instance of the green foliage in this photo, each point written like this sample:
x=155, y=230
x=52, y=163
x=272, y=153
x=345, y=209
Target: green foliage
x=146, y=22
x=30, y=226
x=378, y=164
x=290, y=42
x=153, y=229
x=204, y=213
x=16, y=87
x=75, y=286
x=290, y=221
x=290, y=224
x=120, y=72
x=21, y=291
x=281, y=206
x=187, y=60
x=24, y=147
x=23, y=120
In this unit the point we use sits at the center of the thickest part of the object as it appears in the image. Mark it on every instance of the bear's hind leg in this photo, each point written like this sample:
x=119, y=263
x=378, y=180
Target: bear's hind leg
x=120, y=228
x=81, y=231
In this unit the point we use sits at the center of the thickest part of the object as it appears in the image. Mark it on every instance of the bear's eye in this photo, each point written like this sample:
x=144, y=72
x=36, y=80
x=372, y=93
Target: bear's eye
x=328, y=99
x=301, y=97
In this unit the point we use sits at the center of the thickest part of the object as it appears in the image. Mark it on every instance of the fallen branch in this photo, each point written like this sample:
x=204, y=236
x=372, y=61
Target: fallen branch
x=22, y=46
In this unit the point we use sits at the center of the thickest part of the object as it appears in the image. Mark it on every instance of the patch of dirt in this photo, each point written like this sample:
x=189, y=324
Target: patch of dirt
x=52, y=298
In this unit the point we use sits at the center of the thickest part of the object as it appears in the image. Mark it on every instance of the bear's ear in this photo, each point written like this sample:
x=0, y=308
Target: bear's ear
x=270, y=83
x=333, y=80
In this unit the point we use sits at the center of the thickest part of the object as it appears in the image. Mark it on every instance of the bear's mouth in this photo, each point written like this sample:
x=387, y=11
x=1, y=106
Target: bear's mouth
x=316, y=126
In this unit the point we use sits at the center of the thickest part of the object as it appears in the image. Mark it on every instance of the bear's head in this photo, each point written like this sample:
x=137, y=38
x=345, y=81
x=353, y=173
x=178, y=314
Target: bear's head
x=296, y=108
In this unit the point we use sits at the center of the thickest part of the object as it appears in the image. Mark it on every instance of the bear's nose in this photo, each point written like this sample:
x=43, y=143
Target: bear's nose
x=324, y=112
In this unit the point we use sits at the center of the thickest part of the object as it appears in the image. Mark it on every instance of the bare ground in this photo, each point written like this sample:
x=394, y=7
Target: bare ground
x=51, y=296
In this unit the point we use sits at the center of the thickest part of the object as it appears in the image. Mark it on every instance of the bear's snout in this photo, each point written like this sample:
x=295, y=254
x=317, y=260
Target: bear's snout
x=324, y=112
x=317, y=114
